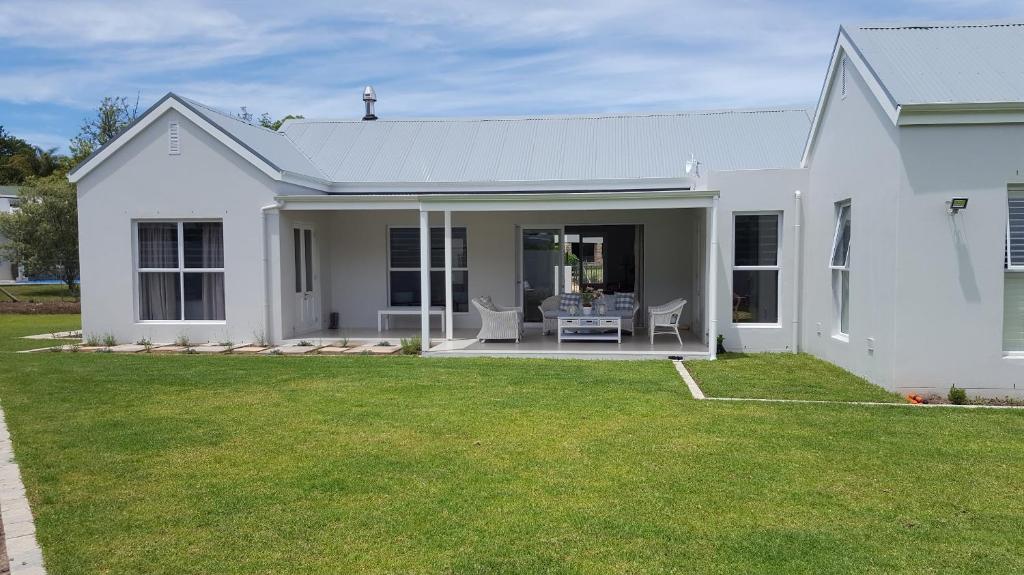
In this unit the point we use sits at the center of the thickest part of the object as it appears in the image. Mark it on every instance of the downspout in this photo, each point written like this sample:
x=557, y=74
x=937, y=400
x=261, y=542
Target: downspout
x=267, y=278
x=713, y=282
x=797, y=249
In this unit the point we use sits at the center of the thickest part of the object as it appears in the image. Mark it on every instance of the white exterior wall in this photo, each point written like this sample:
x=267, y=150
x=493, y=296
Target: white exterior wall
x=756, y=191
x=355, y=278
x=950, y=276
x=7, y=271
x=142, y=181
x=856, y=158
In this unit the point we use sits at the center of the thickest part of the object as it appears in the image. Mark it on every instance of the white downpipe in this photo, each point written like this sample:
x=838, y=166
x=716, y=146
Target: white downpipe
x=797, y=248
x=448, y=296
x=713, y=282
x=425, y=279
x=267, y=278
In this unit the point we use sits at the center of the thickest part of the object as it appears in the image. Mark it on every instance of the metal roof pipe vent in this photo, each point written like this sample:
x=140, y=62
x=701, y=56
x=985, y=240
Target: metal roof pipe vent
x=369, y=98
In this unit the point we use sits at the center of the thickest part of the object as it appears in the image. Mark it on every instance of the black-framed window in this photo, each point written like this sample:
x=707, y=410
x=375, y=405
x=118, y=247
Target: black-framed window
x=404, y=268
x=755, y=271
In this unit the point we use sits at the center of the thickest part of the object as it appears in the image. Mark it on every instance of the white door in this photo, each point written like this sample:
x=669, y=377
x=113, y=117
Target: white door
x=307, y=279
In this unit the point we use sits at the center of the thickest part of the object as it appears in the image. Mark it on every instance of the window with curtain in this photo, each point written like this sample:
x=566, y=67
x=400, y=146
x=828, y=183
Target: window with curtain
x=181, y=271
x=1013, y=278
x=755, y=271
x=404, y=268
x=840, y=265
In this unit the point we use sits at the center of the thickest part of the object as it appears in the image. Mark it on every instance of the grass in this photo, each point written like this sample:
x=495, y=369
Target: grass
x=228, y=464
x=39, y=292
x=783, y=376
x=14, y=326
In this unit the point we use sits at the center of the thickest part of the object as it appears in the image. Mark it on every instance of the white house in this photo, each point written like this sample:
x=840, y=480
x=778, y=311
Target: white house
x=828, y=231
x=8, y=201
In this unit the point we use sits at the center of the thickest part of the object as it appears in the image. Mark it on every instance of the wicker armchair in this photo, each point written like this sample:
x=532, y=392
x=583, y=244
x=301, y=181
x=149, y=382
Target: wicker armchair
x=549, y=310
x=666, y=317
x=498, y=322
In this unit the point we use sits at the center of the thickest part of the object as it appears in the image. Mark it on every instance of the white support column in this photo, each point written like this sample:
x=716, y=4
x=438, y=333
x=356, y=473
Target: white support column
x=448, y=296
x=712, y=298
x=425, y=279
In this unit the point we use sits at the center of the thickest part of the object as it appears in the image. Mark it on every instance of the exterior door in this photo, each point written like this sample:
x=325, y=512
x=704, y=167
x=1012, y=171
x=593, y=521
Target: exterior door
x=307, y=279
x=542, y=267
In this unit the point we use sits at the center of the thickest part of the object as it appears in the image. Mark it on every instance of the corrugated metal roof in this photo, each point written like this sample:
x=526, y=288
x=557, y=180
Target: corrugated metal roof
x=273, y=147
x=956, y=63
x=556, y=148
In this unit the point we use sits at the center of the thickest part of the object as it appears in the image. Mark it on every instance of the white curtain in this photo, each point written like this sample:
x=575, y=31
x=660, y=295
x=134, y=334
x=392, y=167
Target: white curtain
x=204, y=292
x=159, y=296
x=158, y=245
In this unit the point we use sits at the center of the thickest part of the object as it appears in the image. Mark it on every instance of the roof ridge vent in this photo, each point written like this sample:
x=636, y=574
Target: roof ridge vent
x=369, y=98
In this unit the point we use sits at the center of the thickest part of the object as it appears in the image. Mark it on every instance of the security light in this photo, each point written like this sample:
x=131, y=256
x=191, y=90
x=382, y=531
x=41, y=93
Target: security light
x=957, y=204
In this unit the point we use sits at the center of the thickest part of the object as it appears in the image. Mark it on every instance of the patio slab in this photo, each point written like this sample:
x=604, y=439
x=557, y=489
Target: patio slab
x=169, y=349
x=374, y=349
x=249, y=349
x=212, y=348
x=333, y=350
x=74, y=334
x=128, y=348
x=290, y=350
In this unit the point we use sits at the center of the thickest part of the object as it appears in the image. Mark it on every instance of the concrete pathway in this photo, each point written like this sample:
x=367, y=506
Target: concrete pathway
x=19, y=529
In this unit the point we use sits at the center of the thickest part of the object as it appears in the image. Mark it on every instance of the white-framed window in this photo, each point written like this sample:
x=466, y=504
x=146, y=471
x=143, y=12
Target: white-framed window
x=404, y=267
x=840, y=265
x=1013, y=278
x=180, y=270
x=755, y=270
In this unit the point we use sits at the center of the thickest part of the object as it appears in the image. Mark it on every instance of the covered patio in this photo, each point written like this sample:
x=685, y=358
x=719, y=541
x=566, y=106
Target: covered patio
x=354, y=257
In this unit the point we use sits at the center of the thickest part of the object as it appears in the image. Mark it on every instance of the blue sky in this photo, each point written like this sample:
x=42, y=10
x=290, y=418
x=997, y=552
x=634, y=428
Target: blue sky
x=451, y=58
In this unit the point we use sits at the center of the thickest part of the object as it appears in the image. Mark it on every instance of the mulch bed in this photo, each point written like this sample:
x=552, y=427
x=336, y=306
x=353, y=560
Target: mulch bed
x=41, y=307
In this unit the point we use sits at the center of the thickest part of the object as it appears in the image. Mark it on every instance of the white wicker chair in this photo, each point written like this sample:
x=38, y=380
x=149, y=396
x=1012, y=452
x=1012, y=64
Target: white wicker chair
x=666, y=317
x=498, y=322
x=549, y=311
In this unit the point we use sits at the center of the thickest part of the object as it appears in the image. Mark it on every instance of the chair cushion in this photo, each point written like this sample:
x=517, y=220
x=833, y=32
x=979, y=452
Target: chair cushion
x=568, y=302
x=486, y=303
x=624, y=301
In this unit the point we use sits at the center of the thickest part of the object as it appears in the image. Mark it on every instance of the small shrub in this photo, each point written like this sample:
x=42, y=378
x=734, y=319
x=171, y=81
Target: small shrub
x=259, y=338
x=957, y=395
x=183, y=341
x=109, y=340
x=276, y=351
x=343, y=342
x=383, y=343
x=93, y=340
x=73, y=348
x=412, y=346
x=226, y=343
x=58, y=348
x=104, y=350
x=190, y=350
x=305, y=343
x=144, y=342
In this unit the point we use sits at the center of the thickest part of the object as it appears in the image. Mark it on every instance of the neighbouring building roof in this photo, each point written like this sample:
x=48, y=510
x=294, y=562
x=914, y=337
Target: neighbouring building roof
x=947, y=63
x=555, y=148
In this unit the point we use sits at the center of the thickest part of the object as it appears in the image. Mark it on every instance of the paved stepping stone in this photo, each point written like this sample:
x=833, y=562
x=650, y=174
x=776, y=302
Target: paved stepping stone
x=249, y=349
x=212, y=348
x=332, y=350
x=128, y=348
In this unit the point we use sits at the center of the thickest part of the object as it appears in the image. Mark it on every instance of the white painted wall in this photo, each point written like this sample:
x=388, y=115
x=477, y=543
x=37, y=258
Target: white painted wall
x=7, y=271
x=856, y=158
x=142, y=181
x=756, y=191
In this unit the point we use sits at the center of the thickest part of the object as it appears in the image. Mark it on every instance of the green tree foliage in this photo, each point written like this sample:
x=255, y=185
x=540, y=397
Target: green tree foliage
x=43, y=232
x=20, y=160
x=264, y=120
x=112, y=116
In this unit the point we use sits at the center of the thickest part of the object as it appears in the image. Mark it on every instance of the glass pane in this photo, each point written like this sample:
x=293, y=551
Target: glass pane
x=1016, y=231
x=460, y=295
x=204, y=296
x=297, y=242
x=159, y=296
x=460, y=257
x=841, y=250
x=405, y=248
x=844, y=303
x=308, y=258
x=204, y=244
x=757, y=240
x=755, y=297
x=542, y=265
x=1013, y=312
x=158, y=245
x=405, y=288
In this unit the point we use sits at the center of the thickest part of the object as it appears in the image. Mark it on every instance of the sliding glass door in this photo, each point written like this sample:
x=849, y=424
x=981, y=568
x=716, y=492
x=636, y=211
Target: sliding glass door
x=542, y=268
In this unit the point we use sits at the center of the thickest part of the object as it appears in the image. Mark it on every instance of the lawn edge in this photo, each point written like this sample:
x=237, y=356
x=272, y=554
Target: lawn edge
x=24, y=555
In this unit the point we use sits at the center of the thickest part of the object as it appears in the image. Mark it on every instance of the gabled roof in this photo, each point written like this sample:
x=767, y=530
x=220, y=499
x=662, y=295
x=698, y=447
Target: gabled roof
x=267, y=150
x=552, y=148
x=933, y=73
x=945, y=63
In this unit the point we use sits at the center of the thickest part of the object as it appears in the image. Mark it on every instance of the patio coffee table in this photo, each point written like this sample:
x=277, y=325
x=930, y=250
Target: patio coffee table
x=589, y=328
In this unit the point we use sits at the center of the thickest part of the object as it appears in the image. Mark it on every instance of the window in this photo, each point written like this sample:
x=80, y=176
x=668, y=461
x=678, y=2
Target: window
x=840, y=264
x=755, y=270
x=404, y=268
x=181, y=271
x=1013, y=279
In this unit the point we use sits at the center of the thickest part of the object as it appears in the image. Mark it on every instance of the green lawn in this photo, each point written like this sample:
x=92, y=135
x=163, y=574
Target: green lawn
x=39, y=292
x=197, y=464
x=783, y=376
x=13, y=326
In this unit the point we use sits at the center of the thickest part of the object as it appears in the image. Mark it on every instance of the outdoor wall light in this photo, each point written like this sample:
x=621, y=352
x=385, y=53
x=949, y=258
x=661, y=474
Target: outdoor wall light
x=956, y=204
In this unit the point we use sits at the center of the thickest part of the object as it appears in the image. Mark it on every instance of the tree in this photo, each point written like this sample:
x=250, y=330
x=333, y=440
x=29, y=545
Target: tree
x=43, y=232
x=112, y=117
x=275, y=125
